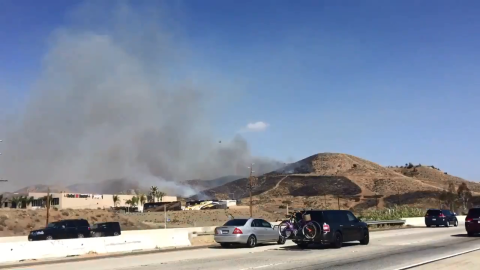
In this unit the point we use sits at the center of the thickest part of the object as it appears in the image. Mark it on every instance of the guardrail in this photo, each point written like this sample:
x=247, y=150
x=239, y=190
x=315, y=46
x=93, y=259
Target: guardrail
x=375, y=222
x=385, y=222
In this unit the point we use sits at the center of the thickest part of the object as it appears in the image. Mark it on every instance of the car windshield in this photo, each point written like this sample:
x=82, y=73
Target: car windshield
x=236, y=222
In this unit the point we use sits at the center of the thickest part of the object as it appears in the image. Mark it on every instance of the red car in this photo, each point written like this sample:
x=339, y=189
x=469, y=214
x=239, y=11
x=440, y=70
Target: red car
x=472, y=221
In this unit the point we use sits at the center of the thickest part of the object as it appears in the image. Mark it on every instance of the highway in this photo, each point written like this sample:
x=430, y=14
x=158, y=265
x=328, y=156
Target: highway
x=393, y=249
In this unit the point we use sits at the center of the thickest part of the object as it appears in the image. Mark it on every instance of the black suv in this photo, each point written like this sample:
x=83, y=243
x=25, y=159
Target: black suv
x=336, y=227
x=62, y=229
x=106, y=229
x=440, y=217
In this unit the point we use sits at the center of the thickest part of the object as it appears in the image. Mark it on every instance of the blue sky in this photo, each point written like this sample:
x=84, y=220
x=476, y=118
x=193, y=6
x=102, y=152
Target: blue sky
x=389, y=81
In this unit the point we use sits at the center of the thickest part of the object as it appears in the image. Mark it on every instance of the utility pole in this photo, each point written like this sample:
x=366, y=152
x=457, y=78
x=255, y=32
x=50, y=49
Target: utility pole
x=48, y=206
x=250, y=187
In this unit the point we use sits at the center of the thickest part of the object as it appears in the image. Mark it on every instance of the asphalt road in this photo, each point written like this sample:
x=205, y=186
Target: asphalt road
x=387, y=250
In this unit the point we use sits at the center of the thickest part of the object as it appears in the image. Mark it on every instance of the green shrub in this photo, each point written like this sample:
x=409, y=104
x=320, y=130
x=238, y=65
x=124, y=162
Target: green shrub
x=394, y=213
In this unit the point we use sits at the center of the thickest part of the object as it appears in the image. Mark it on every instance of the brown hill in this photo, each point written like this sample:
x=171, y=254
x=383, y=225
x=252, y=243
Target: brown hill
x=42, y=188
x=435, y=177
x=323, y=177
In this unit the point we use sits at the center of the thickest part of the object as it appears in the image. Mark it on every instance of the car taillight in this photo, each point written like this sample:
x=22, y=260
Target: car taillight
x=237, y=231
x=442, y=215
x=468, y=219
x=326, y=228
x=89, y=228
x=216, y=231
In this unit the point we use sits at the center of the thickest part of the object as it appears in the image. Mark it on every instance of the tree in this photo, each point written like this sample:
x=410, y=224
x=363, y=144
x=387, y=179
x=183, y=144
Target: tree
x=153, y=192
x=128, y=202
x=116, y=200
x=464, y=194
x=16, y=201
x=50, y=199
x=159, y=195
x=134, y=201
x=25, y=201
x=451, y=195
x=142, y=199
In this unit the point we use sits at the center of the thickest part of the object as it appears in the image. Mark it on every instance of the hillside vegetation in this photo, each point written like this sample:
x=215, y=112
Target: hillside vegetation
x=331, y=180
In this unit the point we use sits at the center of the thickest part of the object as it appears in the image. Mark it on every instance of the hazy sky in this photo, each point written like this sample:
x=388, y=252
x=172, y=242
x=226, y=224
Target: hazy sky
x=389, y=81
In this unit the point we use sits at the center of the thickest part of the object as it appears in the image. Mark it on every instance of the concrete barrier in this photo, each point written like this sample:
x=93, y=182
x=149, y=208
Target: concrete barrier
x=420, y=221
x=35, y=250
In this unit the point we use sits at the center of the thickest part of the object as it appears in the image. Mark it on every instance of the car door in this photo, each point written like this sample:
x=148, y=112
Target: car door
x=258, y=230
x=61, y=231
x=355, y=226
x=271, y=235
x=345, y=226
x=70, y=230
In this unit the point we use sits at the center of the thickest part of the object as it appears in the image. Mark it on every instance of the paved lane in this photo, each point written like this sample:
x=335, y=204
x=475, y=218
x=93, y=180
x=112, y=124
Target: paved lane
x=387, y=250
x=467, y=261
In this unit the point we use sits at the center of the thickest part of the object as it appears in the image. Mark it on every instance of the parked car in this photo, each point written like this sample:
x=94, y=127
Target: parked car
x=440, y=217
x=63, y=229
x=249, y=231
x=106, y=229
x=335, y=228
x=472, y=221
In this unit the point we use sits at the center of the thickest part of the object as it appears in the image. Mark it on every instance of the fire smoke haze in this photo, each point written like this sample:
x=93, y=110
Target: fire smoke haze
x=115, y=101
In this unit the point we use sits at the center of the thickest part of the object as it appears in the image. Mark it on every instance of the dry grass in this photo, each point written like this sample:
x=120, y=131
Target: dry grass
x=20, y=222
x=199, y=218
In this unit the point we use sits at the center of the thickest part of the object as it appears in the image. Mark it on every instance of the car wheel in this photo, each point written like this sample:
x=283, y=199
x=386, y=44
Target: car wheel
x=116, y=234
x=80, y=235
x=337, y=240
x=366, y=238
x=225, y=245
x=456, y=223
x=302, y=245
x=48, y=237
x=281, y=240
x=447, y=224
x=252, y=241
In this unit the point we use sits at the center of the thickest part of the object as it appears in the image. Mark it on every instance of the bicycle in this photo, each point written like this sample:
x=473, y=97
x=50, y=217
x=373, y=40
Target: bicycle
x=292, y=226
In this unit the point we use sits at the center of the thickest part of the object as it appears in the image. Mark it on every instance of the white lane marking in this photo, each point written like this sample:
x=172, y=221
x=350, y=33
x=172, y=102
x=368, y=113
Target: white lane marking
x=261, y=266
x=438, y=259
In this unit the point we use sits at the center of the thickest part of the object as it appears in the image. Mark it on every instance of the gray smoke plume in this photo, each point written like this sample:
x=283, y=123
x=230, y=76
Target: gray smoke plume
x=115, y=101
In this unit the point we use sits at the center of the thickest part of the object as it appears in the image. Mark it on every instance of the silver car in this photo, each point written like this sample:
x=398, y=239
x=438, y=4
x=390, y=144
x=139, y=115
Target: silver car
x=249, y=231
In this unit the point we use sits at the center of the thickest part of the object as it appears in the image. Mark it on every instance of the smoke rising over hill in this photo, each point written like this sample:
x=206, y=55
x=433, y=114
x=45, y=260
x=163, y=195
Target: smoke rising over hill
x=106, y=107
